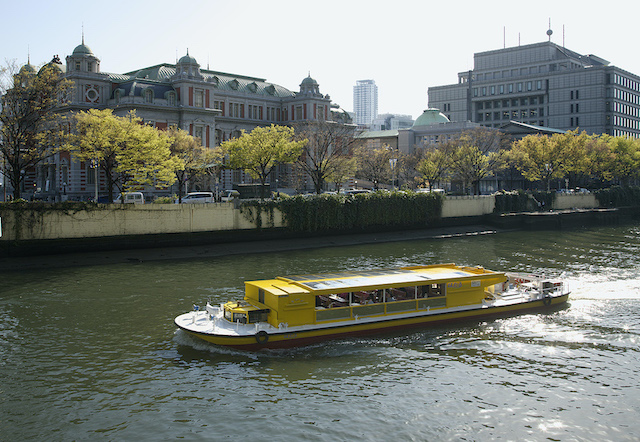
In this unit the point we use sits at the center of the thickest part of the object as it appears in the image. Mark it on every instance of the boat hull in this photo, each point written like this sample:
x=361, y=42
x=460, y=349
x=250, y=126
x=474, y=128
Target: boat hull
x=288, y=339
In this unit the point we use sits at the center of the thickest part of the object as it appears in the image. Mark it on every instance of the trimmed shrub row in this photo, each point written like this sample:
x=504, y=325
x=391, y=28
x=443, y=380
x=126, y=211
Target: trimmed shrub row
x=317, y=213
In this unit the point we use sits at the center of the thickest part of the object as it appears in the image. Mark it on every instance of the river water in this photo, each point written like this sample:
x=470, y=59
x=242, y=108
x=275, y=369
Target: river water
x=91, y=353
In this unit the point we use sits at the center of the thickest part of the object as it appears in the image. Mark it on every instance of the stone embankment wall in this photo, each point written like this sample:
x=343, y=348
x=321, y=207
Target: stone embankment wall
x=154, y=219
x=576, y=201
x=127, y=220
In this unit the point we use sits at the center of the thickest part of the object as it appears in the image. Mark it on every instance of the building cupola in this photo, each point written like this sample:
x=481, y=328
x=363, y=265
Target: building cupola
x=309, y=86
x=188, y=67
x=83, y=60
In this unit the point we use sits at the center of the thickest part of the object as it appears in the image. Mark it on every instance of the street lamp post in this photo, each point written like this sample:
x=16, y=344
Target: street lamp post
x=548, y=171
x=4, y=179
x=392, y=163
x=94, y=164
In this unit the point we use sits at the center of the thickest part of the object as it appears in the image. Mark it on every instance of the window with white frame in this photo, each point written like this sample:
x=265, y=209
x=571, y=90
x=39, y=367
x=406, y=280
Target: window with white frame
x=198, y=98
x=198, y=132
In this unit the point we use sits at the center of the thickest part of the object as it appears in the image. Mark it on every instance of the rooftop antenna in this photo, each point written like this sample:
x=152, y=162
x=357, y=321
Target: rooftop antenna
x=563, y=36
x=83, y=33
x=504, y=37
x=549, y=32
x=518, y=39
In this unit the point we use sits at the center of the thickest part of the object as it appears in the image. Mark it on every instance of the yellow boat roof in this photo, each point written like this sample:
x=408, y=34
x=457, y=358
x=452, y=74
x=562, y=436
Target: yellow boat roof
x=371, y=278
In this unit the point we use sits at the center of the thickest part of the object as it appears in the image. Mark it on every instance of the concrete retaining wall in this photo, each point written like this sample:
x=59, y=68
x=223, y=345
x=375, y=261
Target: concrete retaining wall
x=154, y=219
x=462, y=206
x=128, y=220
x=576, y=201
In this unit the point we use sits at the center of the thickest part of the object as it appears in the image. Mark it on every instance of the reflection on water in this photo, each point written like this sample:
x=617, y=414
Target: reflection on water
x=92, y=352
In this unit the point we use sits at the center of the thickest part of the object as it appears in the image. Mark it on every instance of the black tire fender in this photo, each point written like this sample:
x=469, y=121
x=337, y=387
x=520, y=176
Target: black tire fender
x=546, y=300
x=262, y=337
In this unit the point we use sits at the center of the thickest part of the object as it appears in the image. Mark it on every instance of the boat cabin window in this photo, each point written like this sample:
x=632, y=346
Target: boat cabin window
x=365, y=297
x=260, y=297
x=235, y=317
x=258, y=316
x=400, y=294
x=432, y=290
x=254, y=316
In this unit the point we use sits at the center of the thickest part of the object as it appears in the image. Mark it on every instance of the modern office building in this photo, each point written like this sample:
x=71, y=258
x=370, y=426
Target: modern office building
x=546, y=85
x=391, y=122
x=365, y=102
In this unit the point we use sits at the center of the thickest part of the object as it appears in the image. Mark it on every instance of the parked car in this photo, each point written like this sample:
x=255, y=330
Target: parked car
x=229, y=195
x=130, y=198
x=356, y=191
x=197, y=198
x=426, y=190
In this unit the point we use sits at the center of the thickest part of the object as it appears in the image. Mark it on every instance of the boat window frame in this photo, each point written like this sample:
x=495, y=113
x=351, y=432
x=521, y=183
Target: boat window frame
x=379, y=301
x=240, y=317
x=260, y=315
x=381, y=296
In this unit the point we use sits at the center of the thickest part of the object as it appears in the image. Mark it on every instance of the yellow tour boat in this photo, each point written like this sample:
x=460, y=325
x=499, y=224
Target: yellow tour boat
x=290, y=311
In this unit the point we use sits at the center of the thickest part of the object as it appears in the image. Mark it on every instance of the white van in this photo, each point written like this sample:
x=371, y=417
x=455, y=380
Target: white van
x=197, y=198
x=130, y=198
x=229, y=195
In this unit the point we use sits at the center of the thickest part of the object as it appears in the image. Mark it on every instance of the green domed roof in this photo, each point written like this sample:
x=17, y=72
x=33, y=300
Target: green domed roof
x=430, y=117
x=82, y=49
x=309, y=81
x=188, y=59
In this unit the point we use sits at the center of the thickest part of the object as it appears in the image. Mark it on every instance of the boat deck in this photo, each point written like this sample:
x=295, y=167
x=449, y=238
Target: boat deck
x=211, y=322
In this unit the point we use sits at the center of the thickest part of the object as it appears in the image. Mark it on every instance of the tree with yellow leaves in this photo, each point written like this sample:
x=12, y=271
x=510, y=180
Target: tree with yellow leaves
x=130, y=153
x=261, y=150
x=30, y=126
x=196, y=158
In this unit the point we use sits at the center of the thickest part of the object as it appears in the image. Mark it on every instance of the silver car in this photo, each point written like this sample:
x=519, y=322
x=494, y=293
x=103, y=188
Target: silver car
x=197, y=198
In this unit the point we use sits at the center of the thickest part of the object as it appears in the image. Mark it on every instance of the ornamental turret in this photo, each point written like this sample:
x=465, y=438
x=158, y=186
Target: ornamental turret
x=188, y=67
x=83, y=60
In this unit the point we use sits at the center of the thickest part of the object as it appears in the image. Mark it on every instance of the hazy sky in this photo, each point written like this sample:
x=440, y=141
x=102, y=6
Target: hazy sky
x=405, y=46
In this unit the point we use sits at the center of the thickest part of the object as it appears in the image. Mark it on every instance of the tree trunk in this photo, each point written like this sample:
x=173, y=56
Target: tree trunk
x=180, y=180
x=16, y=181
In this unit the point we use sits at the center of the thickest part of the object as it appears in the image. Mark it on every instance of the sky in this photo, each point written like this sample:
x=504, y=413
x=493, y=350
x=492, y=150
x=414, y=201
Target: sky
x=404, y=46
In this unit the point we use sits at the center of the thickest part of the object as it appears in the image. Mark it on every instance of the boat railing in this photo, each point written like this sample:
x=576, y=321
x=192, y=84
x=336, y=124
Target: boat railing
x=526, y=282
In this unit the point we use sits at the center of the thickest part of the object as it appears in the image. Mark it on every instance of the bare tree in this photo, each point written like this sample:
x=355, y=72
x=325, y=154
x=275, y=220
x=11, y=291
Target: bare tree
x=373, y=165
x=330, y=143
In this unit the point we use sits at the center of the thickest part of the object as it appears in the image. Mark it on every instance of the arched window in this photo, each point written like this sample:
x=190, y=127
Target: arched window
x=148, y=95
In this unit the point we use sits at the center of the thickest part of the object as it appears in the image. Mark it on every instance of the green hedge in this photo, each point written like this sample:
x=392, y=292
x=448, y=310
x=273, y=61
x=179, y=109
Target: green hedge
x=521, y=201
x=316, y=213
x=618, y=196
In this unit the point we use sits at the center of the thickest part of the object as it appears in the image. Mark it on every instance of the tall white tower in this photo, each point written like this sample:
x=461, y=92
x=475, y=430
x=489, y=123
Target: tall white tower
x=365, y=101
